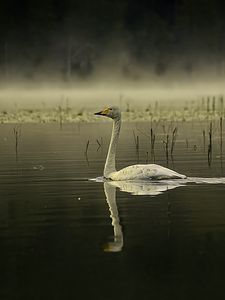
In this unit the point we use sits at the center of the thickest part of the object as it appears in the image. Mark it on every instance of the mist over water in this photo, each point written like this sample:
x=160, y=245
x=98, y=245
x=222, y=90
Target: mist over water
x=100, y=51
x=91, y=94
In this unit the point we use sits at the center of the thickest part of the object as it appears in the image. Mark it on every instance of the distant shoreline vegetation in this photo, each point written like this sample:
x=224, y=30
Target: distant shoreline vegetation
x=204, y=109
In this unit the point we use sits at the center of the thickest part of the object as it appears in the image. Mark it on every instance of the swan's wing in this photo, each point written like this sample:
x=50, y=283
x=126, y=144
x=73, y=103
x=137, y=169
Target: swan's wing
x=164, y=173
x=149, y=171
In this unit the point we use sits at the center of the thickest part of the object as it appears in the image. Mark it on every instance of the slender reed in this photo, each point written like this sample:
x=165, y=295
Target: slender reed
x=86, y=152
x=152, y=139
x=17, y=134
x=136, y=141
x=174, y=137
x=87, y=146
x=221, y=135
x=166, y=144
x=214, y=104
x=203, y=134
x=187, y=143
x=147, y=157
x=60, y=116
x=221, y=105
x=210, y=145
x=208, y=104
x=99, y=144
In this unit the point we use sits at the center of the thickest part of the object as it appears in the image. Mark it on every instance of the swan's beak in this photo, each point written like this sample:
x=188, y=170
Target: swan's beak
x=103, y=112
x=98, y=113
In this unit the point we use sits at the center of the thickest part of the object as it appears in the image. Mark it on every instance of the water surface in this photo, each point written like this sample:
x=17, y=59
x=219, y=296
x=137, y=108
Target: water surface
x=58, y=240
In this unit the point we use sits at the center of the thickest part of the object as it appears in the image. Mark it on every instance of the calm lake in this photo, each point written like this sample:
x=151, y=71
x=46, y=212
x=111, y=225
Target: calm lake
x=63, y=236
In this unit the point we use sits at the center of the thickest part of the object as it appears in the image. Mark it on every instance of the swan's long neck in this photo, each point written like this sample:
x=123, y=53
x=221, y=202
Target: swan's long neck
x=110, y=164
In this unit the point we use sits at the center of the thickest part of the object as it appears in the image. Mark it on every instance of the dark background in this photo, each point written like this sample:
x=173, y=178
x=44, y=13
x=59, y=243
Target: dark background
x=69, y=39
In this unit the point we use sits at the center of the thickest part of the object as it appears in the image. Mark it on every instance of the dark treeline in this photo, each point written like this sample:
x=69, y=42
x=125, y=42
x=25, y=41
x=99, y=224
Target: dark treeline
x=73, y=38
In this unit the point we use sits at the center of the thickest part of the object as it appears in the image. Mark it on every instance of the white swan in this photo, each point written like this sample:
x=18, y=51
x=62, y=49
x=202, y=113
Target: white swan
x=134, y=172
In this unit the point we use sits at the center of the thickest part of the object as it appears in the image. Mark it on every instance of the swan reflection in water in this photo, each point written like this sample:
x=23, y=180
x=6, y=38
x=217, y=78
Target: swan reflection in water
x=117, y=244
x=134, y=188
x=140, y=188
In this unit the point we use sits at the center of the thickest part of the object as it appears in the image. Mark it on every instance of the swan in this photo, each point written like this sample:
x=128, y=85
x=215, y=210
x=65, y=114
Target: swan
x=133, y=172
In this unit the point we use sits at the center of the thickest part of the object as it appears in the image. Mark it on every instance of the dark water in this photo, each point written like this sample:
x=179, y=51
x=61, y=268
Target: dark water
x=57, y=240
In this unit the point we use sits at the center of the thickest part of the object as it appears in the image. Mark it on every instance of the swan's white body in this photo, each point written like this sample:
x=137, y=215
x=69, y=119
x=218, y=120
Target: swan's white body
x=145, y=172
x=134, y=172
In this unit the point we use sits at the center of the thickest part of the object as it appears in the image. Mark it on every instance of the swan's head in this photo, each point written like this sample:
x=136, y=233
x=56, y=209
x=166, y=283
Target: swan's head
x=112, y=112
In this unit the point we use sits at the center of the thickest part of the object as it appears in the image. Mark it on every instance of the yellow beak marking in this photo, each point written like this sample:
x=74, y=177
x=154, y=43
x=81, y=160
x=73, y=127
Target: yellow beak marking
x=105, y=111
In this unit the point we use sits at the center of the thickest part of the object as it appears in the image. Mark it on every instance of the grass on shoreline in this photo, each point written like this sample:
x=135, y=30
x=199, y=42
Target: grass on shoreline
x=205, y=109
